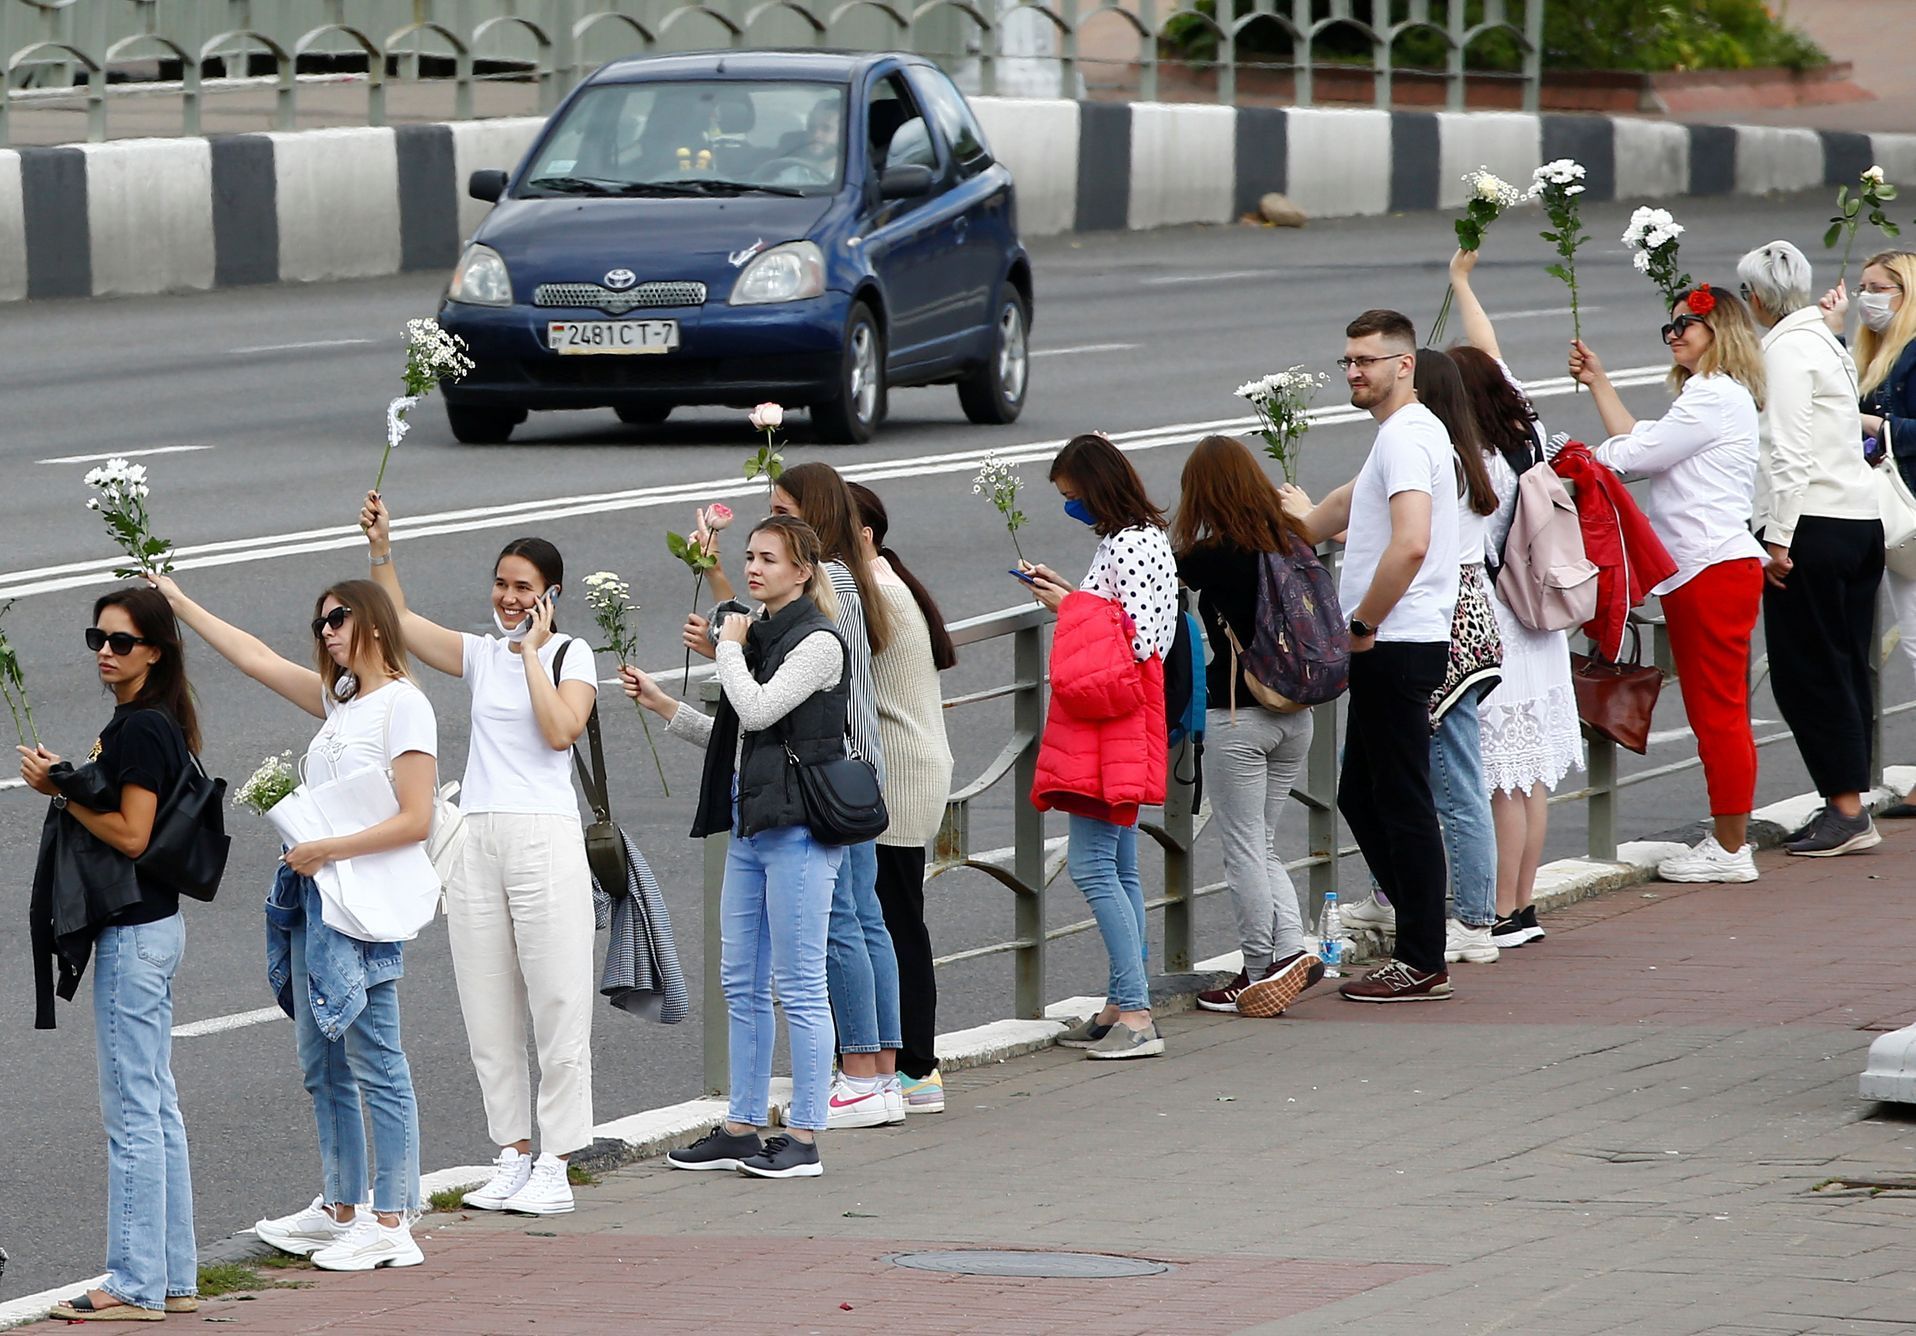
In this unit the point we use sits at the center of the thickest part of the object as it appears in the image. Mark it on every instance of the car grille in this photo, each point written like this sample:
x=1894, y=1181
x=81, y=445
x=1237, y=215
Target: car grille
x=618, y=303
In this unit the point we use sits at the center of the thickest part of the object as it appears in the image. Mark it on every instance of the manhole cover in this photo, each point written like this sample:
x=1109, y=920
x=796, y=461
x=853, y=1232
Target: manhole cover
x=1047, y=1265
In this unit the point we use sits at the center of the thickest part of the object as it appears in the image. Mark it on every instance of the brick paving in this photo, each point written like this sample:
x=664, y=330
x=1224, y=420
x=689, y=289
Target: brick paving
x=1632, y=1127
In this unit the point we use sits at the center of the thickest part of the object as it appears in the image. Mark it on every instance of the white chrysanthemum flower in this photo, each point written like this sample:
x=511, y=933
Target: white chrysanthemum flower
x=1642, y=261
x=396, y=424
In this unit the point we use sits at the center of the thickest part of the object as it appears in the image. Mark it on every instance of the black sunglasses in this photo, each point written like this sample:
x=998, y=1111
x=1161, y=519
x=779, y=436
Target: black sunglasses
x=332, y=620
x=122, y=643
x=1678, y=327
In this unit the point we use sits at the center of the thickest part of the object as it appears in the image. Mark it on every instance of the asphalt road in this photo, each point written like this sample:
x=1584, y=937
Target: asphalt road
x=268, y=404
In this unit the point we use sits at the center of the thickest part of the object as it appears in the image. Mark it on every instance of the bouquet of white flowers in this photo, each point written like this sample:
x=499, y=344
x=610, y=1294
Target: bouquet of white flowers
x=610, y=599
x=998, y=483
x=1283, y=401
x=267, y=785
x=1652, y=239
x=1490, y=196
x=1556, y=185
x=432, y=356
x=122, y=504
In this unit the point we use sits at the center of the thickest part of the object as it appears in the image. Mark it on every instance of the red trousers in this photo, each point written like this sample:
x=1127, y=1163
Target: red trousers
x=1709, y=619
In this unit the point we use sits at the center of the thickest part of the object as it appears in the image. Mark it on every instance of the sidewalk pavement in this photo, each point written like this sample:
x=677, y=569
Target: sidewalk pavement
x=1643, y=1124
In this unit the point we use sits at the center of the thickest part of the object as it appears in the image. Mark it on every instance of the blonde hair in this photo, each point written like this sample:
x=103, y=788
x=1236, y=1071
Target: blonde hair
x=1734, y=350
x=1876, y=354
x=373, y=614
x=803, y=546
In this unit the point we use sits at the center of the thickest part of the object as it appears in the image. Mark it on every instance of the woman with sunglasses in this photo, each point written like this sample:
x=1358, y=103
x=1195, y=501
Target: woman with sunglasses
x=343, y=993
x=152, y=1266
x=1701, y=461
x=519, y=906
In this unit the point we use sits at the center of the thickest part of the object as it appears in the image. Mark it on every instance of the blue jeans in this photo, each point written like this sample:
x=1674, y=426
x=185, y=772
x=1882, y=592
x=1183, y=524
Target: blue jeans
x=368, y=1061
x=1463, y=810
x=861, y=967
x=774, y=910
x=150, y=1254
x=1103, y=860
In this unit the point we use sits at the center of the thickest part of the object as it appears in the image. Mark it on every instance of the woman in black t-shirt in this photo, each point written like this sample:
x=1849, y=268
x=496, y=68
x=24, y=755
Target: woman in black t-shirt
x=1229, y=516
x=151, y=1261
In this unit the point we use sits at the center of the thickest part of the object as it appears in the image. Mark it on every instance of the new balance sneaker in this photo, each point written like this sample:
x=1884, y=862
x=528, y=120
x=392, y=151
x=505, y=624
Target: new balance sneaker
x=1084, y=1034
x=510, y=1172
x=1709, y=862
x=1283, y=983
x=784, y=1157
x=547, y=1190
x=367, y=1244
x=1528, y=915
x=1510, y=930
x=1833, y=834
x=1121, y=1041
x=1370, y=913
x=303, y=1233
x=1463, y=942
x=1225, y=998
x=717, y=1149
x=852, y=1106
x=1398, y=982
x=893, y=1091
x=926, y=1095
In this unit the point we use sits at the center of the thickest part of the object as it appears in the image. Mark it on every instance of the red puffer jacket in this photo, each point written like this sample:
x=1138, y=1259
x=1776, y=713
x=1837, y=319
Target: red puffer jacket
x=1104, y=744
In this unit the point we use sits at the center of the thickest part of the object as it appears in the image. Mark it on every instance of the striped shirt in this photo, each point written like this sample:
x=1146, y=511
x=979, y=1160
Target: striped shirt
x=850, y=622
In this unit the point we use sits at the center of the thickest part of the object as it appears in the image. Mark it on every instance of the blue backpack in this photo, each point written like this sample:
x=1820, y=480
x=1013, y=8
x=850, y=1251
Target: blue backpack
x=1184, y=695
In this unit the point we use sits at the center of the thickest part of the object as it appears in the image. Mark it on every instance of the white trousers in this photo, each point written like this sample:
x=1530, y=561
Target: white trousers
x=1902, y=602
x=519, y=917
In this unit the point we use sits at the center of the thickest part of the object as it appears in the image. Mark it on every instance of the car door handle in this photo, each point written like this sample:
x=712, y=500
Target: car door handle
x=961, y=226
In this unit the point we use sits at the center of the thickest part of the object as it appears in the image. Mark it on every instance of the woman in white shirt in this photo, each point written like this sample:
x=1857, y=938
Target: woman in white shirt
x=519, y=907
x=342, y=993
x=1817, y=514
x=1701, y=460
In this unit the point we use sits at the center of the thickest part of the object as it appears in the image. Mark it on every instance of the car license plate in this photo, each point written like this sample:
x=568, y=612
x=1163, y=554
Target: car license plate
x=602, y=337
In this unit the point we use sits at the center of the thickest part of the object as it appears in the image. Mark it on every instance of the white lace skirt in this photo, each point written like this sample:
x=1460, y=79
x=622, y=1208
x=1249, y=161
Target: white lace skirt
x=1530, y=730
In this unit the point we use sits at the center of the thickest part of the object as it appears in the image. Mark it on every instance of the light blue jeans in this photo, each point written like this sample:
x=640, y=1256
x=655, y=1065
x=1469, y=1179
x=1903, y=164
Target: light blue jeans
x=150, y=1253
x=365, y=1061
x=774, y=911
x=1463, y=810
x=1103, y=860
x=861, y=967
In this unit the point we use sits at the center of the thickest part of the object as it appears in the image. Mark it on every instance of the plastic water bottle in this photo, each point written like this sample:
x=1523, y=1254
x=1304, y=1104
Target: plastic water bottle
x=1332, y=941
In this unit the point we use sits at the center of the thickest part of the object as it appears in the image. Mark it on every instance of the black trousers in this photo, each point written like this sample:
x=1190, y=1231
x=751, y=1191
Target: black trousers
x=1384, y=792
x=901, y=894
x=1818, y=627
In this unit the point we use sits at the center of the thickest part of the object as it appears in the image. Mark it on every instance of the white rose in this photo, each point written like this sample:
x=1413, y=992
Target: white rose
x=767, y=417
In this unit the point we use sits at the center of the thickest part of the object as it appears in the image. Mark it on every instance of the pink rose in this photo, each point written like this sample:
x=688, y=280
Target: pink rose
x=717, y=516
x=766, y=417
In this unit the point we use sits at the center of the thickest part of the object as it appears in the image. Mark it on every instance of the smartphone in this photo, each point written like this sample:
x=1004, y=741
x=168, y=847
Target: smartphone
x=1017, y=574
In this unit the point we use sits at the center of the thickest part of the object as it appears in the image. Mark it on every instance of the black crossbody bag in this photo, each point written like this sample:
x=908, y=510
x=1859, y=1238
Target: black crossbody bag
x=843, y=804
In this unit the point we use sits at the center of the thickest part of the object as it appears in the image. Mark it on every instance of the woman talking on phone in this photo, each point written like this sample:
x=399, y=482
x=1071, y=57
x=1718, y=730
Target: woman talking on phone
x=519, y=907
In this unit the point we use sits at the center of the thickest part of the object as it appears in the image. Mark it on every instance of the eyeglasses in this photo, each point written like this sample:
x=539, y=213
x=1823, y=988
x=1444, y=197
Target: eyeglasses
x=1743, y=291
x=1346, y=363
x=1677, y=328
x=331, y=621
x=1880, y=289
x=122, y=643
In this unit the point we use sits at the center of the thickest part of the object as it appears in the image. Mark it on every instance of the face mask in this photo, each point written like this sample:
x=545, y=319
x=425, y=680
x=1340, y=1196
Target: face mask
x=1877, y=308
x=510, y=633
x=1079, y=511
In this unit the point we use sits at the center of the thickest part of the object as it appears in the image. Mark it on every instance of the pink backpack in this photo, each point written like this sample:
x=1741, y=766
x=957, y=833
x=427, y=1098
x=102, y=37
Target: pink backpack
x=1546, y=580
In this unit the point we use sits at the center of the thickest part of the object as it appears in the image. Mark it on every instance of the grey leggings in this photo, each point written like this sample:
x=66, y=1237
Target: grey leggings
x=1249, y=768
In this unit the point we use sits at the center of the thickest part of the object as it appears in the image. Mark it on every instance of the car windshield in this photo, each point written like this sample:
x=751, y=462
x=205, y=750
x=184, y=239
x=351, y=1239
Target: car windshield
x=715, y=138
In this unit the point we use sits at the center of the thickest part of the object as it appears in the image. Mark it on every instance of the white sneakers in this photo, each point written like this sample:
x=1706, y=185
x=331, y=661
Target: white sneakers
x=303, y=1233
x=367, y=1244
x=894, y=1091
x=547, y=1191
x=1709, y=862
x=1463, y=942
x=1370, y=914
x=862, y=1105
x=513, y=1169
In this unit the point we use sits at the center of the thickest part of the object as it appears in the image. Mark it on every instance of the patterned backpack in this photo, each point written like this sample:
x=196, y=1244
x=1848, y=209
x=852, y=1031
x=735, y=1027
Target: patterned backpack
x=1300, y=654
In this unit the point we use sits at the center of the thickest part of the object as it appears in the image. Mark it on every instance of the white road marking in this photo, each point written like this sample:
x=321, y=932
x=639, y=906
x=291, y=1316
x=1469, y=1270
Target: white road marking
x=239, y=1020
x=1221, y=276
x=125, y=454
x=1540, y=312
x=516, y=514
x=1083, y=348
x=1672, y=734
x=297, y=347
x=12, y=783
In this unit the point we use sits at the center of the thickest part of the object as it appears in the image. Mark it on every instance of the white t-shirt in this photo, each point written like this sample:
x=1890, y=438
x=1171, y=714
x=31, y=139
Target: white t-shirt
x=509, y=766
x=1411, y=454
x=356, y=735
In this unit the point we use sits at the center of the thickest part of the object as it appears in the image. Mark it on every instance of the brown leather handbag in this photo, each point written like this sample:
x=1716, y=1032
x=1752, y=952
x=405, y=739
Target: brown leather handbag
x=1616, y=700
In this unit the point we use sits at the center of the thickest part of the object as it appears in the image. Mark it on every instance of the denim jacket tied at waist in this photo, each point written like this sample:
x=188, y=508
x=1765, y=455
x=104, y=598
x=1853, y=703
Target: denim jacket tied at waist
x=339, y=969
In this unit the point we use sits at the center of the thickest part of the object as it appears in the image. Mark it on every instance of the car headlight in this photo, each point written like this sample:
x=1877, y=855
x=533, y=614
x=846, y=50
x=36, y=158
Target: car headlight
x=480, y=279
x=782, y=274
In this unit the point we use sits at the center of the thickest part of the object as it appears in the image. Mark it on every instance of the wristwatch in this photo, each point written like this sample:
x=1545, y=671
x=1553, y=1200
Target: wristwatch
x=60, y=802
x=1362, y=630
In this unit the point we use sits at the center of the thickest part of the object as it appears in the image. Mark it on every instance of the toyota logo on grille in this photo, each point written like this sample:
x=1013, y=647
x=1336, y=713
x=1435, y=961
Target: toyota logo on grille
x=620, y=279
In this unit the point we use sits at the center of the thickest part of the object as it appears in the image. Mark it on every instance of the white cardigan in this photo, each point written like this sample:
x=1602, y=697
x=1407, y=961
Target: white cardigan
x=1812, y=452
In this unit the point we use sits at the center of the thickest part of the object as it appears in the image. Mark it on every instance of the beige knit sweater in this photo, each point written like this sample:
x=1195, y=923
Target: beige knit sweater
x=911, y=721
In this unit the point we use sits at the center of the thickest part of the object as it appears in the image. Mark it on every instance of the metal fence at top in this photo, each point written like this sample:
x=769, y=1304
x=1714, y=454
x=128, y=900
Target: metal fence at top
x=98, y=53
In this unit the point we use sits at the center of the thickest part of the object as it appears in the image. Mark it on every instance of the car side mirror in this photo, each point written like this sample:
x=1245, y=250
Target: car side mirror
x=488, y=185
x=907, y=182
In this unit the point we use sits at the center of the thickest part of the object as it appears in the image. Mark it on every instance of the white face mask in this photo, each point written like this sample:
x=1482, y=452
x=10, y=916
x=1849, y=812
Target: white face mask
x=514, y=634
x=1878, y=309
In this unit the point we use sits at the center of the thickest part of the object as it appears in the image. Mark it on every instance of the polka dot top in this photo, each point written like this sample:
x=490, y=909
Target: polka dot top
x=1137, y=569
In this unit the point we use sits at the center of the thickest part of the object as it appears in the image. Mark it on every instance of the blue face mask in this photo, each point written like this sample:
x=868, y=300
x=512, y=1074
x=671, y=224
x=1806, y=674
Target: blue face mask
x=1079, y=511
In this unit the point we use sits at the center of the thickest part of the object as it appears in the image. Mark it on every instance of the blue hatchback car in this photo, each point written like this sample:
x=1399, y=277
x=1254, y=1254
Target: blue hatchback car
x=811, y=228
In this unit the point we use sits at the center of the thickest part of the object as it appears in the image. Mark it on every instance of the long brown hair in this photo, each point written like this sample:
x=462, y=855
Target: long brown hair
x=1225, y=497
x=166, y=687
x=372, y=614
x=1440, y=388
x=1107, y=484
x=825, y=503
x=871, y=511
x=1505, y=418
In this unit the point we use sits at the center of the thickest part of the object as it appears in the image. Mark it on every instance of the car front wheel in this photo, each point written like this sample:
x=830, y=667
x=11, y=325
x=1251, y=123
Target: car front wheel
x=854, y=413
x=482, y=426
x=994, y=394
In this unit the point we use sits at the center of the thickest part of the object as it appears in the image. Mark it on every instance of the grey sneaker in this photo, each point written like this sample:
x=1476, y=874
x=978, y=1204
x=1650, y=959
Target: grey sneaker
x=1833, y=834
x=717, y=1149
x=784, y=1157
x=1084, y=1034
x=1121, y=1041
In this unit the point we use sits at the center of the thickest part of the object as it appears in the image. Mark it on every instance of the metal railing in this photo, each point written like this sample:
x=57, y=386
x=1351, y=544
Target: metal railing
x=98, y=53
